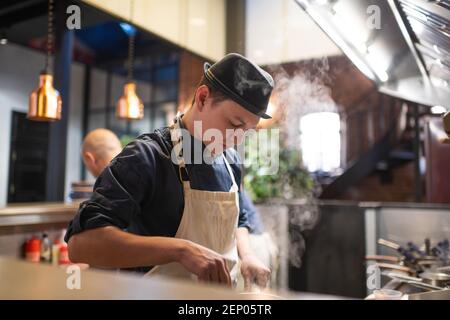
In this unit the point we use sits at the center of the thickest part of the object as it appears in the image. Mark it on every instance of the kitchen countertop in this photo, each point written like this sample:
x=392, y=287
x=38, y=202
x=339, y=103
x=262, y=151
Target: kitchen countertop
x=25, y=280
x=39, y=208
x=37, y=213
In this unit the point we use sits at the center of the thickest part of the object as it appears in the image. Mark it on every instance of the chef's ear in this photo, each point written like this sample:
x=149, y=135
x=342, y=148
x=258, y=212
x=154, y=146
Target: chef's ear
x=201, y=95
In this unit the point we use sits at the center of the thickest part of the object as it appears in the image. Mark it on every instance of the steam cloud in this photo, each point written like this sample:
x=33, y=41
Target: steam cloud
x=305, y=91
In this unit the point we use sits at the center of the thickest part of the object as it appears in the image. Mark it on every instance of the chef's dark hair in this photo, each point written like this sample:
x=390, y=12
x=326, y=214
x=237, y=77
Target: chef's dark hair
x=216, y=94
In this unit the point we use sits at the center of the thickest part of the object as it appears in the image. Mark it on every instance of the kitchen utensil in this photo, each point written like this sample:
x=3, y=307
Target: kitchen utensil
x=439, y=279
x=445, y=269
x=383, y=258
x=427, y=247
x=387, y=294
x=395, y=267
x=417, y=282
x=409, y=257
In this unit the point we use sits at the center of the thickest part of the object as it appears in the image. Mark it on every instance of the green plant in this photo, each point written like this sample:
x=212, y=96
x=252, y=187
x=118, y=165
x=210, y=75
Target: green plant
x=126, y=139
x=291, y=180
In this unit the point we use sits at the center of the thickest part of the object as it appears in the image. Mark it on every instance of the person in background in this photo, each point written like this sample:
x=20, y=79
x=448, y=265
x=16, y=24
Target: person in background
x=100, y=146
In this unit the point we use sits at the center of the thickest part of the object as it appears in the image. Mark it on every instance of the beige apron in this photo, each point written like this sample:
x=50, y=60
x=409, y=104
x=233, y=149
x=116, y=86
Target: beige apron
x=210, y=218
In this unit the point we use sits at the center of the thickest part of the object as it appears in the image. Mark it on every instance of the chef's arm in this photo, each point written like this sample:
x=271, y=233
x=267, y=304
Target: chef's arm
x=243, y=243
x=110, y=247
x=253, y=270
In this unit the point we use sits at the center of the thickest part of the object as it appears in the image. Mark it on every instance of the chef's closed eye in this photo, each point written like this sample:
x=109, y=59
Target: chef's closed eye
x=235, y=126
x=236, y=123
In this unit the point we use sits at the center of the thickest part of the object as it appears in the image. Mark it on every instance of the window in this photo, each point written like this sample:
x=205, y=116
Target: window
x=320, y=141
x=159, y=94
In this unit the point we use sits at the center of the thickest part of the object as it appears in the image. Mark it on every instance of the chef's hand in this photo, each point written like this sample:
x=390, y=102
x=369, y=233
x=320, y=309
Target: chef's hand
x=254, y=271
x=207, y=265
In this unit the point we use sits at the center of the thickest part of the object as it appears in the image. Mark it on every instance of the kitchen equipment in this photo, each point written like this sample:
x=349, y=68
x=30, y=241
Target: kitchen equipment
x=421, y=259
x=417, y=282
x=411, y=247
x=427, y=247
x=407, y=254
x=428, y=262
x=445, y=269
x=396, y=267
x=383, y=258
x=387, y=294
x=432, y=295
x=425, y=267
x=442, y=251
x=425, y=286
x=406, y=55
x=439, y=279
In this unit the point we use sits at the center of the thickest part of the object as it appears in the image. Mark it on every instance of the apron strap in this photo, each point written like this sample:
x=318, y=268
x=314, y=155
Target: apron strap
x=177, y=141
x=234, y=186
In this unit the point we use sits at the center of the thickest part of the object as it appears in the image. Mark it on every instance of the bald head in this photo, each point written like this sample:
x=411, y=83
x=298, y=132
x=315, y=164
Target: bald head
x=100, y=146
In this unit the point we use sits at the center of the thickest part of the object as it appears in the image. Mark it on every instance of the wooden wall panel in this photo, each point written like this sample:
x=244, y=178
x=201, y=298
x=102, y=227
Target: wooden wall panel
x=437, y=163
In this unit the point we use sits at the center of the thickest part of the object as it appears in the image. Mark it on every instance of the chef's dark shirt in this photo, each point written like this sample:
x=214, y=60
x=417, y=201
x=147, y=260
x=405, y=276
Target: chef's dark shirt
x=140, y=190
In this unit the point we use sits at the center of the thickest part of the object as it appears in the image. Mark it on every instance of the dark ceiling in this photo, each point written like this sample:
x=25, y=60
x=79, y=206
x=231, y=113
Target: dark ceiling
x=100, y=42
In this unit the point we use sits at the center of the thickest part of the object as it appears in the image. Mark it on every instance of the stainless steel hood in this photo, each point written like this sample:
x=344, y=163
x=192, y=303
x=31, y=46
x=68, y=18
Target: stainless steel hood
x=402, y=45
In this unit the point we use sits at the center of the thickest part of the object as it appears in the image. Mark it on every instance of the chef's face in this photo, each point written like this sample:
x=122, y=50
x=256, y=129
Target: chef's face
x=226, y=117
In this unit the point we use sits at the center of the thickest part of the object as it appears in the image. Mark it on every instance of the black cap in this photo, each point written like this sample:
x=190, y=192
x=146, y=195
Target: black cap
x=242, y=81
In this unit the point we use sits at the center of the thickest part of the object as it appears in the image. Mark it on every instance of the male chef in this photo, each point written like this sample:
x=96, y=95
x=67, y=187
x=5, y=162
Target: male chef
x=158, y=208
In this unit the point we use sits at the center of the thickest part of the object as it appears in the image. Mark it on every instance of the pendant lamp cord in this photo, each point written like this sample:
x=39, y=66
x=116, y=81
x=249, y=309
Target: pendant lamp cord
x=131, y=39
x=49, y=36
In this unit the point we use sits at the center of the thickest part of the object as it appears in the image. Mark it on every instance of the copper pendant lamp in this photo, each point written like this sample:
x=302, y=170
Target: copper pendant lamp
x=45, y=101
x=129, y=105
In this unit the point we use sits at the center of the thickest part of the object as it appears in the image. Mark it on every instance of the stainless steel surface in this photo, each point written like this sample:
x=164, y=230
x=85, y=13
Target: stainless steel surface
x=430, y=29
x=402, y=277
x=445, y=269
x=417, y=282
x=402, y=45
x=401, y=225
x=434, y=295
x=439, y=279
x=424, y=285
